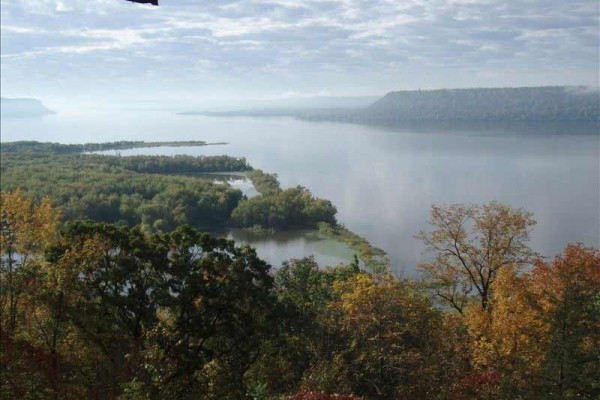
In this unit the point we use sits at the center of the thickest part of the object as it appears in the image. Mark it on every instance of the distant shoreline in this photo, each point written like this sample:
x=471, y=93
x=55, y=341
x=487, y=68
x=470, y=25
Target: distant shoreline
x=189, y=143
x=58, y=148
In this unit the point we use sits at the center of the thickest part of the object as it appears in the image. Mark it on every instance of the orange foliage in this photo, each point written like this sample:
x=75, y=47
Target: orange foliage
x=539, y=315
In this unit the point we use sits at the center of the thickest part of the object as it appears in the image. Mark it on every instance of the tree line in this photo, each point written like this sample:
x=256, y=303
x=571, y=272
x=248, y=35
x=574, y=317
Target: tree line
x=97, y=310
x=278, y=208
x=29, y=146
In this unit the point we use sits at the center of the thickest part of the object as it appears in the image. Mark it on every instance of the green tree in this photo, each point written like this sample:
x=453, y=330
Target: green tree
x=177, y=314
x=305, y=335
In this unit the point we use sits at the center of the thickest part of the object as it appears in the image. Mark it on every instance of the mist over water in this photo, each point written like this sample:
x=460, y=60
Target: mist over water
x=381, y=180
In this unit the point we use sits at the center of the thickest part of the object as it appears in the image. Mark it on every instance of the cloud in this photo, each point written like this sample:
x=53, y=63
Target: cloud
x=303, y=46
x=49, y=7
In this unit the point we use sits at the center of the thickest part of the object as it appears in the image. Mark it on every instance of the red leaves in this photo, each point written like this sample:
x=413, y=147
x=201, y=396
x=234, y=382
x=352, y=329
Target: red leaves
x=478, y=386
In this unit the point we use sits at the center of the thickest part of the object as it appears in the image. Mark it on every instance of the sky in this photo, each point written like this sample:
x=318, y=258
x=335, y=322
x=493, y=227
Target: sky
x=215, y=50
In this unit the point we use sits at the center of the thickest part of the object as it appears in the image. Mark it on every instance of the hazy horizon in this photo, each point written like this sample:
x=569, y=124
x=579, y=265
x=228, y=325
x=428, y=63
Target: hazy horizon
x=88, y=52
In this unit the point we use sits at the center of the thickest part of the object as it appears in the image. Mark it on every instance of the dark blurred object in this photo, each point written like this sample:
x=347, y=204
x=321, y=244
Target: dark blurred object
x=153, y=2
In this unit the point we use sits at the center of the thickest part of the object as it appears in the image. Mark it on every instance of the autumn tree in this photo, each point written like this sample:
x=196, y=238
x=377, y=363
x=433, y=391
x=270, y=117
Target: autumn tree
x=470, y=245
x=388, y=326
x=26, y=229
x=51, y=299
x=565, y=293
x=541, y=332
x=508, y=339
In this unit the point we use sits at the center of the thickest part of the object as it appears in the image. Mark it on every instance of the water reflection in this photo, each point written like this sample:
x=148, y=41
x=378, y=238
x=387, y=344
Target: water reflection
x=383, y=181
x=280, y=246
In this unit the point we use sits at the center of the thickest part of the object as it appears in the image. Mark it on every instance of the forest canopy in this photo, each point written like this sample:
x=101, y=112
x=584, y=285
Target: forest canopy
x=113, y=312
x=160, y=192
x=278, y=208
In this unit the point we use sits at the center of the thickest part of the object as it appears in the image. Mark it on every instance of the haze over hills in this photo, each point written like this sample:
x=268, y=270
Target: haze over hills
x=548, y=103
x=22, y=108
x=286, y=104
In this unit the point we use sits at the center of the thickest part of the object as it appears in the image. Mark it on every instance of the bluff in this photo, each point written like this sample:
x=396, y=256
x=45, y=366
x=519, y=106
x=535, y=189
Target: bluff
x=22, y=108
x=550, y=103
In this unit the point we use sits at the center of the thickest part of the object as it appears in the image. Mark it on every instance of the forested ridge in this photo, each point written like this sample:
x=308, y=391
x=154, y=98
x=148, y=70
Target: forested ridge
x=551, y=103
x=416, y=108
x=22, y=108
x=97, y=310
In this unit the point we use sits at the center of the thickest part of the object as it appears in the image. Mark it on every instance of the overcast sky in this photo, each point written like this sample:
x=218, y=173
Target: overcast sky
x=193, y=49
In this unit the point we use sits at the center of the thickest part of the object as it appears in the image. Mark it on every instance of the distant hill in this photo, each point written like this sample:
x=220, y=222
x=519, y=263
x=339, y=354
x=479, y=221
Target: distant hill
x=525, y=104
x=22, y=108
x=281, y=107
x=320, y=102
x=552, y=103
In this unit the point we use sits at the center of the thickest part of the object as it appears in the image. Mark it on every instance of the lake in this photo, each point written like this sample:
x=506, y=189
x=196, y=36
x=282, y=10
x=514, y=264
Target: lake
x=382, y=180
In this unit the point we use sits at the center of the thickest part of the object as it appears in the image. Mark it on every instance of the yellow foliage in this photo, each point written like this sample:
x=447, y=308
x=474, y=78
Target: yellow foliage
x=26, y=228
x=509, y=335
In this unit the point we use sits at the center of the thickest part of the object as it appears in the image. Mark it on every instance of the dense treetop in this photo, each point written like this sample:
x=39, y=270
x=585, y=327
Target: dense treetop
x=160, y=192
x=108, y=188
x=94, y=310
x=278, y=208
x=138, y=305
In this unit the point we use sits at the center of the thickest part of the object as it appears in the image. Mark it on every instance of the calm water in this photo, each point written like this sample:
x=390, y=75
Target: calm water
x=382, y=181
